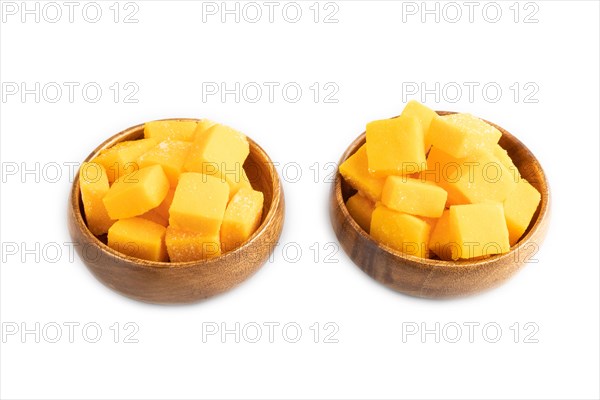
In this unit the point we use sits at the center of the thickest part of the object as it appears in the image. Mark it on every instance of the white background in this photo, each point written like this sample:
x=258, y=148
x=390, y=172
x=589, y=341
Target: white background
x=372, y=55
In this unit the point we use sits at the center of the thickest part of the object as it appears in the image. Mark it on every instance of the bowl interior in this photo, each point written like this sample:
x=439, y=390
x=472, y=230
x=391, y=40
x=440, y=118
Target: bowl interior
x=258, y=167
x=524, y=160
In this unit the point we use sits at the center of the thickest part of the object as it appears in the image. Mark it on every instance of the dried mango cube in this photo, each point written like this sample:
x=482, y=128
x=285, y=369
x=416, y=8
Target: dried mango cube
x=154, y=217
x=504, y=158
x=440, y=242
x=170, y=129
x=184, y=246
x=136, y=193
x=121, y=159
x=401, y=231
x=203, y=126
x=138, y=237
x=199, y=203
x=160, y=214
x=478, y=230
x=413, y=196
x=519, y=208
x=424, y=115
x=241, y=218
x=361, y=209
x=170, y=155
x=93, y=184
x=474, y=179
x=395, y=146
x=461, y=134
x=238, y=182
x=221, y=152
x=355, y=171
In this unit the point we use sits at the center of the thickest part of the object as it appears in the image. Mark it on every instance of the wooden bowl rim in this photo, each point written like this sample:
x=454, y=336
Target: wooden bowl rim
x=267, y=222
x=433, y=263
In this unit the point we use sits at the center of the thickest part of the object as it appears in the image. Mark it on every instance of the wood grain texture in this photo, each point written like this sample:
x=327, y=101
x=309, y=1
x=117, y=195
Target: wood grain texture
x=158, y=282
x=435, y=278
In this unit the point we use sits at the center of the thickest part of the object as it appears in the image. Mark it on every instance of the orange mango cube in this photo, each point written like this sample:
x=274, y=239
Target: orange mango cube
x=138, y=237
x=478, y=230
x=121, y=159
x=203, y=126
x=219, y=151
x=413, y=196
x=440, y=241
x=136, y=193
x=395, y=146
x=400, y=231
x=519, y=208
x=356, y=172
x=424, y=115
x=170, y=129
x=184, y=246
x=461, y=134
x=238, y=183
x=170, y=155
x=361, y=210
x=199, y=203
x=93, y=184
x=242, y=217
x=160, y=214
x=504, y=158
x=474, y=179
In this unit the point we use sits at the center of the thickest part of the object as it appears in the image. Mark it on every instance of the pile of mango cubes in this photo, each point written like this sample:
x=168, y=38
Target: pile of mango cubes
x=438, y=186
x=179, y=194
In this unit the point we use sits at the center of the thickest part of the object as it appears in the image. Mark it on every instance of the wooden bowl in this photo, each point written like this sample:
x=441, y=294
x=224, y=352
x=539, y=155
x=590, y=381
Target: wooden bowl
x=182, y=282
x=435, y=278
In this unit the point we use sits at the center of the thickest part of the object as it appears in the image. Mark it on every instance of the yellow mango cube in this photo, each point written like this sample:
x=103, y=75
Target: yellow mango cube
x=170, y=129
x=163, y=208
x=504, y=158
x=361, y=209
x=136, y=193
x=154, y=217
x=138, y=237
x=203, y=126
x=519, y=208
x=478, y=230
x=170, y=155
x=400, y=231
x=121, y=159
x=220, y=151
x=474, y=179
x=184, y=246
x=424, y=115
x=461, y=134
x=395, y=146
x=413, y=196
x=93, y=184
x=440, y=241
x=199, y=203
x=356, y=172
x=237, y=183
x=242, y=217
